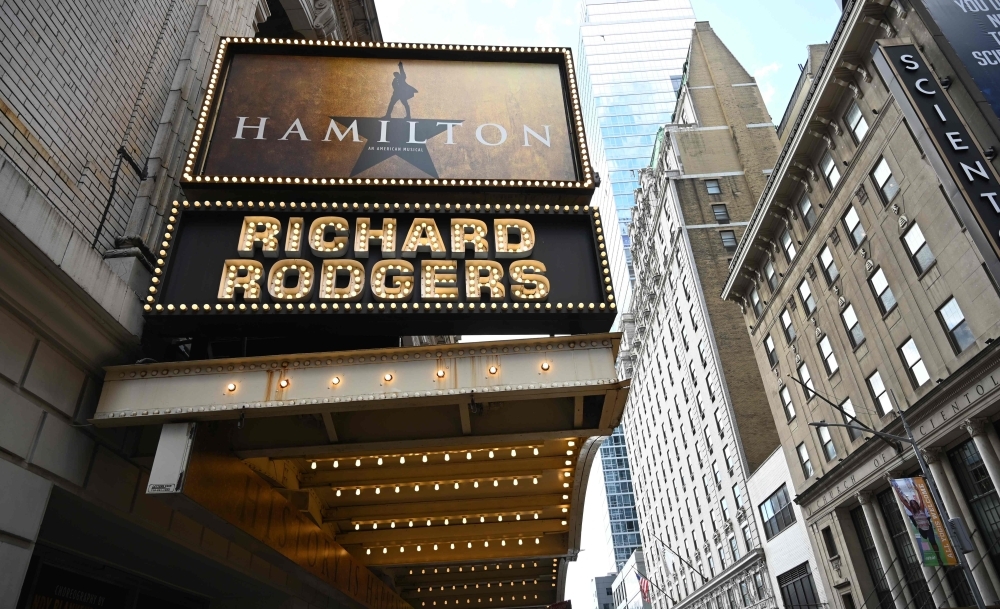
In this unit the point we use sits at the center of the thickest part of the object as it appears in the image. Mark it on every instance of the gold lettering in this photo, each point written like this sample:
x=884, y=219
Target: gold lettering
x=233, y=280
x=476, y=281
x=440, y=279
x=521, y=247
x=392, y=280
x=259, y=229
x=524, y=272
x=355, y=272
x=328, y=237
x=466, y=231
x=424, y=236
x=364, y=233
x=301, y=269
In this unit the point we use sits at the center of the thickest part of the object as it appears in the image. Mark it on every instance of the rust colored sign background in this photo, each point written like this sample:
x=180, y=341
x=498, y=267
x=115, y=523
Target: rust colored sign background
x=315, y=116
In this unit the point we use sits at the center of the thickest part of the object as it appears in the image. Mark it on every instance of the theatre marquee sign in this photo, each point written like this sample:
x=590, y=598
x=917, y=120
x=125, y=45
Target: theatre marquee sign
x=407, y=268
x=305, y=114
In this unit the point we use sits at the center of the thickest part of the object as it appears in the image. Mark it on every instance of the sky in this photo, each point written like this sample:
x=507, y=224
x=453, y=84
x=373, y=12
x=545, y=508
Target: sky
x=769, y=37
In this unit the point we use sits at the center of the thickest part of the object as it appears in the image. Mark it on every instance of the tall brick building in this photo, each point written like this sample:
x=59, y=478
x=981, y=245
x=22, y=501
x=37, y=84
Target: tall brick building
x=868, y=285
x=697, y=421
x=98, y=101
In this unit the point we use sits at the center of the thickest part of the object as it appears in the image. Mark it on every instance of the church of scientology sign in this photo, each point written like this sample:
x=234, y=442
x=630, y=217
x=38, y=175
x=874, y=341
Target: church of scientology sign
x=305, y=115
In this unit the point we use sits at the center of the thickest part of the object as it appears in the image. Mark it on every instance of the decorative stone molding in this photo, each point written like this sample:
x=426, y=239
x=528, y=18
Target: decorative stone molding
x=976, y=427
x=829, y=123
x=933, y=454
x=864, y=497
x=855, y=90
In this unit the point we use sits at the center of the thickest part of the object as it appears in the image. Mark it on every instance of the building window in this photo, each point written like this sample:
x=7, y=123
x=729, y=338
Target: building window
x=828, y=167
x=797, y=588
x=728, y=458
x=829, y=359
x=854, y=431
x=725, y=508
x=721, y=213
x=786, y=325
x=915, y=367
x=771, y=276
x=884, y=180
x=717, y=473
x=879, y=395
x=787, y=244
x=734, y=547
x=883, y=293
x=758, y=306
x=807, y=382
x=772, y=353
x=745, y=593
x=807, y=468
x=776, y=513
x=702, y=353
x=738, y=495
x=829, y=266
x=830, y=543
x=852, y=223
x=713, y=187
x=718, y=423
x=758, y=583
x=826, y=442
x=728, y=240
x=954, y=323
x=856, y=122
x=920, y=253
x=786, y=402
x=748, y=536
x=853, y=326
x=808, y=302
x=808, y=212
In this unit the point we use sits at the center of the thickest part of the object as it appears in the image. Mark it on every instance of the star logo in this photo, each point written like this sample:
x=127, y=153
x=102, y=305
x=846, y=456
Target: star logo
x=402, y=137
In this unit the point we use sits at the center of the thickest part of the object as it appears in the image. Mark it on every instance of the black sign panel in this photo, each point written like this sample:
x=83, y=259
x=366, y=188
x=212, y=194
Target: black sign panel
x=381, y=269
x=58, y=588
x=969, y=168
x=972, y=27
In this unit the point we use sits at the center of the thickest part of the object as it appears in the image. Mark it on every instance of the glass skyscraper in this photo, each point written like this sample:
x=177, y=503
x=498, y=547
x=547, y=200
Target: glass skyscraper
x=630, y=62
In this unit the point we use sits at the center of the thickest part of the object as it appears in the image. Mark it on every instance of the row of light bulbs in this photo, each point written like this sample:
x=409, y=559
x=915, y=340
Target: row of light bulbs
x=524, y=582
x=447, y=521
x=447, y=455
x=468, y=601
x=555, y=561
x=486, y=544
x=387, y=377
x=457, y=485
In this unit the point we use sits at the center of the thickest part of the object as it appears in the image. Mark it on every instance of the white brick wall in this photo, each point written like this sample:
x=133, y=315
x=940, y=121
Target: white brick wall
x=791, y=547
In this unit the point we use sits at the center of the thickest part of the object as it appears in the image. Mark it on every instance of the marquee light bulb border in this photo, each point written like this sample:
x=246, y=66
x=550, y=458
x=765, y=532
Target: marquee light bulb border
x=152, y=305
x=191, y=175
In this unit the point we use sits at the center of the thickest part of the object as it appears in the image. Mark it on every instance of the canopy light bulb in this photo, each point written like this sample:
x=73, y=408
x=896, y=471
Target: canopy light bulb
x=499, y=517
x=447, y=457
x=468, y=456
x=402, y=460
x=535, y=451
x=565, y=474
x=465, y=520
x=378, y=491
x=456, y=486
x=517, y=517
x=380, y=460
x=545, y=366
x=445, y=522
x=357, y=463
x=357, y=492
x=368, y=551
x=536, y=515
x=537, y=540
x=416, y=487
x=437, y=486
x=385, y=550
x=374, y=525
x=496, y=483
x=534, y=480
x=283, y=383
x=440, y=374
x=231, y=387
x=435, y=546
x=424, y=459
x=338, y=492
x=503, y=542
x=357, y=527
x=397, y=489
x=418, y=548
x=571, y=443
x=565, y=510
x=565, y=497
x=491, y=454
x=482, y=519
x=486, y=544
x=312, y=465
x=515, y=481
x=520, y=542
x=392, y=525
x=513, y=452
x=428, y=522
x=335, y=380
x=564, y=523
x=411, y=523
x=336, y=464
x=569, y=453
x=494, y=369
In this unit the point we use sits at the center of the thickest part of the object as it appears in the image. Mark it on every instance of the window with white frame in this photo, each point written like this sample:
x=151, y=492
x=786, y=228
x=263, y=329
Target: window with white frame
x=776, y=512
x=713, y=187
x=828, y=167
x=915, y=367
x=856, y=122
x=828, y=264
x=786, y=325
x=853, y=326
x=855, y=230
x=772, y=353
x=728, y=240
x=826, y=442
x=883, y=293
x=806, y=295
x=850, y=419
x=755, y=302
x=787, y=244
x=884, y=181
x=829, y=359
x=771, y=276
x=803, y=452
x=879, y=394
x=808, y=212
x=916, y=246
x=808, y=388
x=786, y=402
x=721, y=213
x=955, y=325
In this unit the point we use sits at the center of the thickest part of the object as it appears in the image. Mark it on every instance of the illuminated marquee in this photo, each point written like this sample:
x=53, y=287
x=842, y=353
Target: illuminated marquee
x=417, y=267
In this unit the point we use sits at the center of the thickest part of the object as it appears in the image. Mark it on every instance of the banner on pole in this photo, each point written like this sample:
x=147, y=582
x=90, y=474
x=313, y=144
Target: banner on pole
x=917, y=503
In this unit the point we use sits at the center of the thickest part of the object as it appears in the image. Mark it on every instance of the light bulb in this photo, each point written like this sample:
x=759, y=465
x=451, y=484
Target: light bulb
x=335, y=380
x=545, y=366
x=338, y=492
x=380, y=460
x=515, y=481
x=464, y=520
x=357, y=492
x=437, y=487
x=385, y=550
x=416, y=487
x=428, y=522
x=397, y=489
x=534, y=480
x=374, y=525
x=402, y=460
x=357, y=463
x=336, y=464
x=312, y=465
x=535, y=451
x=447, y=457
x=445, y=522
x=496, y=483
x=411, y=523
x=357, y=527
x=500, y=518
x=491, y=454
x=517, y=517
x=392, y=525
x=468, y=456
x=387, y=377
x=456, y=486
x=536, y=515
x=513, y=452
x=571, y=443
x=476, y=484
x=378, y=491
x=231, y=387
x=538, y=540
x=424, y=459
x=440, y=374
x=283, y=383
x=368, y=551
x=493, y=369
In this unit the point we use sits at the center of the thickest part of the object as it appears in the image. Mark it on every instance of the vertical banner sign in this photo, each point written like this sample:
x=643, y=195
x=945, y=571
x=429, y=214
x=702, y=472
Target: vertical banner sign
x=960, y=152
x=972, y=27
x=925, y=521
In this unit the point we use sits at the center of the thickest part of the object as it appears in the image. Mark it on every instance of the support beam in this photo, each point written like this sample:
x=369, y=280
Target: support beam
x=331, y=431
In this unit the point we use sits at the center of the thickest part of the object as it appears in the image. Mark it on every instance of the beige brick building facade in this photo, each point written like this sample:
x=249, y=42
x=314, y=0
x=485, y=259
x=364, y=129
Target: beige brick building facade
x=860, y=275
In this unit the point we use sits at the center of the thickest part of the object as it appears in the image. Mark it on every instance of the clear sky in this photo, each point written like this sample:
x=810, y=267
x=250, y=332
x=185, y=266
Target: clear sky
x=768, y=37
